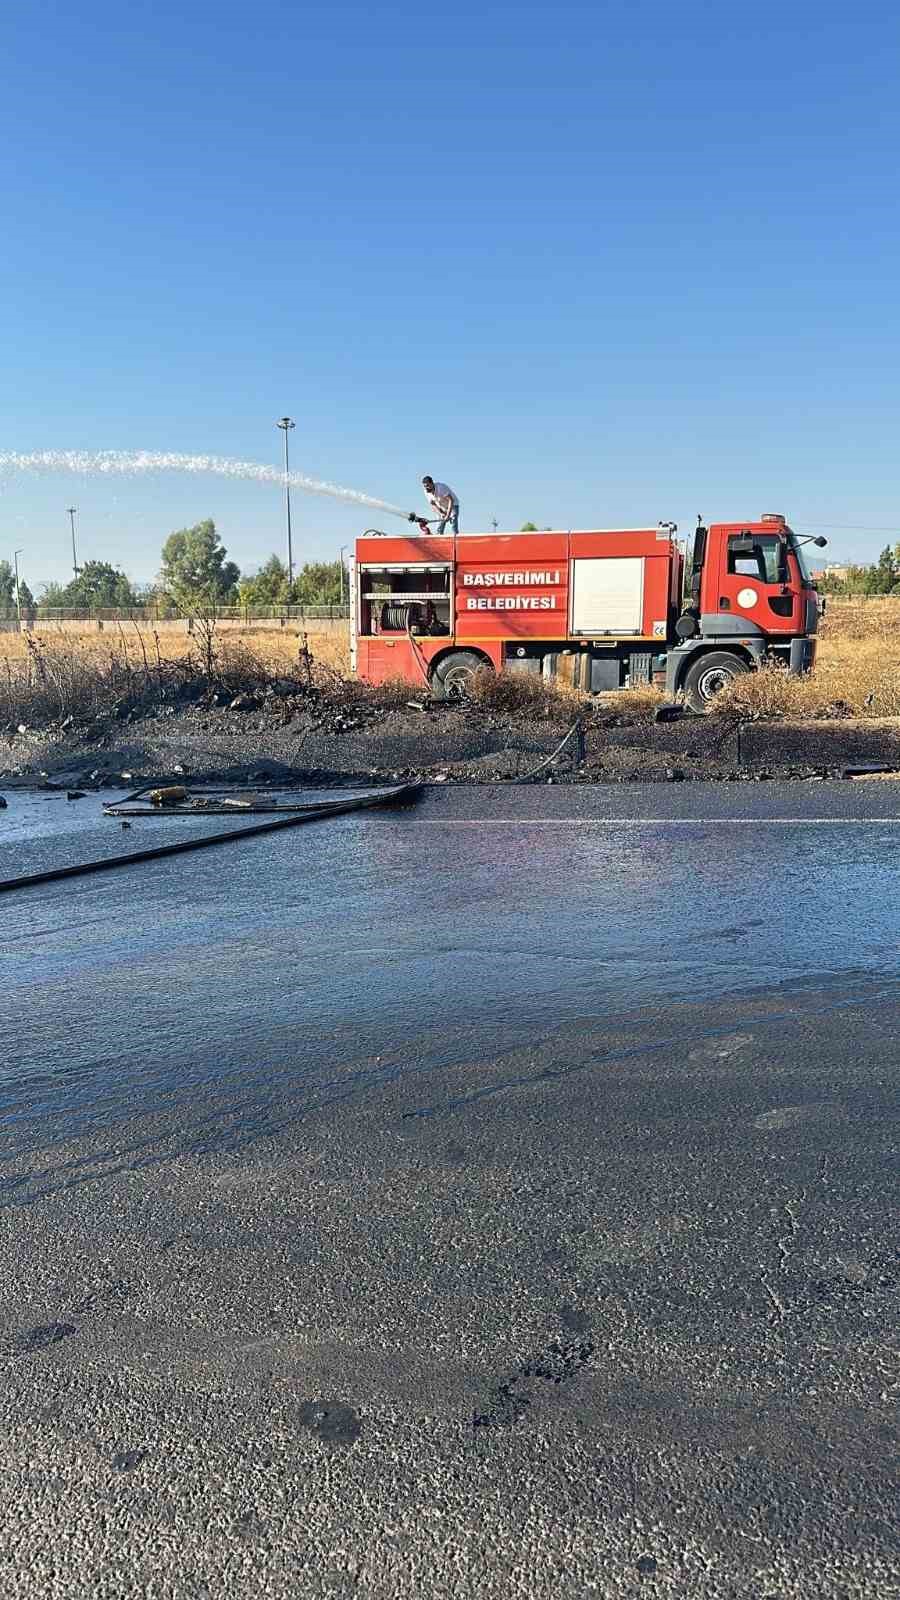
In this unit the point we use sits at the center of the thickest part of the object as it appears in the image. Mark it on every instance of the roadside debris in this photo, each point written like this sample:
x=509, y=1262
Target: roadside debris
x=172, y=796
x=292, y=816
x=870, y=769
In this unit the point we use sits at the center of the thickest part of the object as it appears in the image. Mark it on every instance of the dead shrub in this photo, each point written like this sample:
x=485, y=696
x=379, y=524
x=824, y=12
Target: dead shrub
x=635, y=705
x=52, y=683
x=769, y=691
x=395, y=693
x=850, y=684
x=510, y=692
x=55, y=683
x=237, y=666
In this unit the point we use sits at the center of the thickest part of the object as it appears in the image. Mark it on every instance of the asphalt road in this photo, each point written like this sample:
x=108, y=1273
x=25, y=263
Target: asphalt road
x=494, y=1198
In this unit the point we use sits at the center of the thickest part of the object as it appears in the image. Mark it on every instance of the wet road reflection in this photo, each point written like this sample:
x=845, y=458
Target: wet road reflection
x=314, y=963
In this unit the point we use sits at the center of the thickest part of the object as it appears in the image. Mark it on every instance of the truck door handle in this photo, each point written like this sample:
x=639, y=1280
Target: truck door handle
x=724, y=603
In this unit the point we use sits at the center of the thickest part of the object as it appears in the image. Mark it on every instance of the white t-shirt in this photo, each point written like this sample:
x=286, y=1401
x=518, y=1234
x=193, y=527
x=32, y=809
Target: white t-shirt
x=442, y=499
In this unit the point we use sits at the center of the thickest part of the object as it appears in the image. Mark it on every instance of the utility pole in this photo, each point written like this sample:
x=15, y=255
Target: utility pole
x=494, y=524
x=285, y=424
x=72, y=510
x=18, y=600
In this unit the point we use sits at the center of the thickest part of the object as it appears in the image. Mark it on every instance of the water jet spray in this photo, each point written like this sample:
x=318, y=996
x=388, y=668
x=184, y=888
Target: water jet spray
x=140, y=463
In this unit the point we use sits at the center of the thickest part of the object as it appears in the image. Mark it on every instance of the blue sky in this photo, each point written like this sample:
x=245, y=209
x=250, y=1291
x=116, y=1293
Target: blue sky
x=591, y=264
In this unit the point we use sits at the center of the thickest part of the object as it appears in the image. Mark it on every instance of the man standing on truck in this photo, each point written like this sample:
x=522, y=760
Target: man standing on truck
x=444, y=502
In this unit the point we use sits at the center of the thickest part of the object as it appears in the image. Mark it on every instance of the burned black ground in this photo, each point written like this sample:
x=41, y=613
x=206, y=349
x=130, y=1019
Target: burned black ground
x=285, y=736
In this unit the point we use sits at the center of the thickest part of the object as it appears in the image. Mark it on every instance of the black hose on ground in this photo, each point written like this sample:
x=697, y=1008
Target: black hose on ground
x=577, y=728
x=329, y=808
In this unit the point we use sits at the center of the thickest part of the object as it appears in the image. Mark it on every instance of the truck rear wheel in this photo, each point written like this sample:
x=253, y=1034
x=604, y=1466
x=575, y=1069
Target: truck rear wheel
x=453, y=675
x=709, y=675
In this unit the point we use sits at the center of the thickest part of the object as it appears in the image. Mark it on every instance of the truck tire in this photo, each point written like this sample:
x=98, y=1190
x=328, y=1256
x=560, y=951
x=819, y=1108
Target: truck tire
x=709, y=674
x=453, y=675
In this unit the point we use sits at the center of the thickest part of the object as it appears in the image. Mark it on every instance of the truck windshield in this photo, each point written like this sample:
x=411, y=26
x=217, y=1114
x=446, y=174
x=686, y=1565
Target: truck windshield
x=801, y=558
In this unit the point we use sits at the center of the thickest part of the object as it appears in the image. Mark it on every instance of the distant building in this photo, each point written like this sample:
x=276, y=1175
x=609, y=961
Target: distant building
x=833, y=569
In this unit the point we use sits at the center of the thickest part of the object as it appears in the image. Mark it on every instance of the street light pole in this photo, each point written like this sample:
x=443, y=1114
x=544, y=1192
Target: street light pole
x=285, y=424
x=18, y=599
x=72, y=511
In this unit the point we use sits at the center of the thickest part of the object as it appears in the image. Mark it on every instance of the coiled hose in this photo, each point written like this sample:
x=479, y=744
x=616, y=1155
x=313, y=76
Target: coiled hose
x=399, y=618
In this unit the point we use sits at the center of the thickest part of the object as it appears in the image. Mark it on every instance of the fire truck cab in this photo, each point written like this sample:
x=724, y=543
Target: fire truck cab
x=600, y=609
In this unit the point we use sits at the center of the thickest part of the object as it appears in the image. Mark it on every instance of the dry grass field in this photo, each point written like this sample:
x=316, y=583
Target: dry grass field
x=857, y=672
x=857, y=669
x=278, y=648
x=50, y=675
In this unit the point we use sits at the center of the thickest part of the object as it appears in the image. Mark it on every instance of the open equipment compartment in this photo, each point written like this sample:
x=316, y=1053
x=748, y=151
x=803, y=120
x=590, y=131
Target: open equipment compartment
x=400, y=599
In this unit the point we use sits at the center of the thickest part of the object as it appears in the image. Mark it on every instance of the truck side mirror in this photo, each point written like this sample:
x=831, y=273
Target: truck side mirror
x=741, y=547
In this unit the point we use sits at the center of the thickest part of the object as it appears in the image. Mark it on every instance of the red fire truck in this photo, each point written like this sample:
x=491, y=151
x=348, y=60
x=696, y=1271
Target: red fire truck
x=605, y=609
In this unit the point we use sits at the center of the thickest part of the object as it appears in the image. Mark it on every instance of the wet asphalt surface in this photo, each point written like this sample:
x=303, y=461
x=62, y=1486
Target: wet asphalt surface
x=493, y=1197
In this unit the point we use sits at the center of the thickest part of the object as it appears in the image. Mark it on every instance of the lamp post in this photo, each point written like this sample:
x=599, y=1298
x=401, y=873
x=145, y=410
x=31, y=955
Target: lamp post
x=72, y=510
x=16, y=556
x=341, y=572
x=285, y=424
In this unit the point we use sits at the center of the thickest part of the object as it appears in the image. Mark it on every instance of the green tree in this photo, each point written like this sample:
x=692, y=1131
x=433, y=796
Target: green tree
x=887, y=571
x=529, y=527
x=267, y=587
x=318, y=583
x=8, y=608
x=7, y=590
x=53, y=596
x=26, y=601
x=100, y=585
x=830, y=583
x=855, y=581
x=194, y=569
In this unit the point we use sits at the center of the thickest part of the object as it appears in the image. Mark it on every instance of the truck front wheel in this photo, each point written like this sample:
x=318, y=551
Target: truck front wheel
x=453, y=675
x=709, y=675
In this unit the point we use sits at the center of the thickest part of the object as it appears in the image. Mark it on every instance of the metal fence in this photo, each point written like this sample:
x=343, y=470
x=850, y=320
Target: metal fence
x=163, y=613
